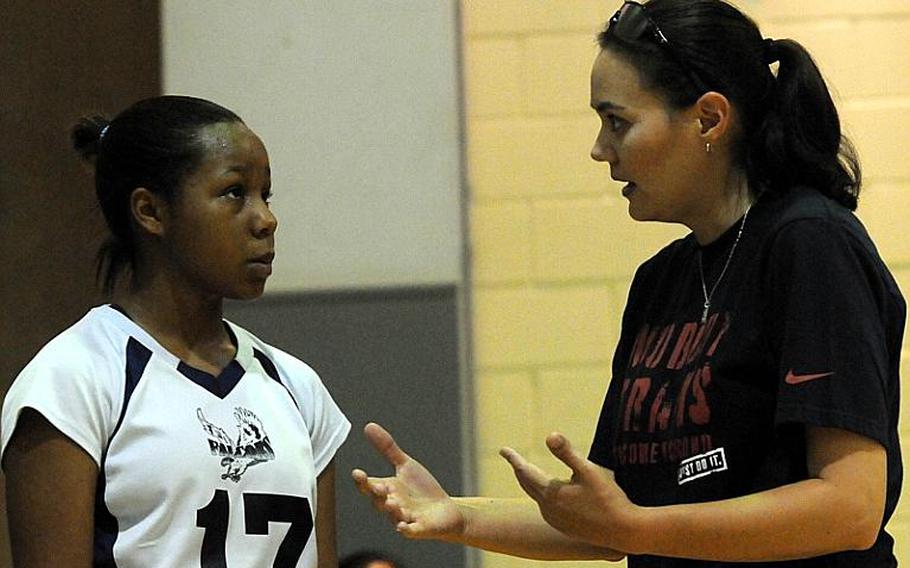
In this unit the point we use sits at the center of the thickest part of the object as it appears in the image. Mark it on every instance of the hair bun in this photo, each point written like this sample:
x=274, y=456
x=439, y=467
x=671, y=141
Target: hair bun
x=87, y=135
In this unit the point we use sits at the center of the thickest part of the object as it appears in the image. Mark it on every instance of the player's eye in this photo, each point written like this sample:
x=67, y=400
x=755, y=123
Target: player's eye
x=234, y=192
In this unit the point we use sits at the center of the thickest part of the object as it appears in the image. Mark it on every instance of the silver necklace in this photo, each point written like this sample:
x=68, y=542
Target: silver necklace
x=701, y=269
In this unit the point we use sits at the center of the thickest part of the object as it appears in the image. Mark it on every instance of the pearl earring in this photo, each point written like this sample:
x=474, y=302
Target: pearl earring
x=707, y=147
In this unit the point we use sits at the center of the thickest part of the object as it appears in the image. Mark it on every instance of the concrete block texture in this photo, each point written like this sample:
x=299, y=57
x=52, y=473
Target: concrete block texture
x=493, y=77
x=521, y=326
x=813, y=10
x=585, y=239
x=530, y=157
x=501, y=242
x=558, y=72
x=880, y=130
x=506, y=402
x=485, y=17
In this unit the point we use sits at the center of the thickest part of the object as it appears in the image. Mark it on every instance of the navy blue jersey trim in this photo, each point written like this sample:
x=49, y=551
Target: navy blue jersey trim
x=220, y=386
x=137, y=358
x=231, y=335
x=106, y=527
x=224, y=383
x=267, y=365
x=271, y=370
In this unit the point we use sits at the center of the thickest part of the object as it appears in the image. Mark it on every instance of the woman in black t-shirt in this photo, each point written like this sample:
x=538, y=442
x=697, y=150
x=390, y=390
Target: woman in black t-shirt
x=752, y=414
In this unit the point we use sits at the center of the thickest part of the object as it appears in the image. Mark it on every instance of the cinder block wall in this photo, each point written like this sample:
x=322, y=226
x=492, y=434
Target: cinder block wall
x=553, y=248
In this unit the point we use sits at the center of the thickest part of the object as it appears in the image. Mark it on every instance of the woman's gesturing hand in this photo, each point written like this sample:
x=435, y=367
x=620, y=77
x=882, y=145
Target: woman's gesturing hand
x=590, y=506
x=413, y=499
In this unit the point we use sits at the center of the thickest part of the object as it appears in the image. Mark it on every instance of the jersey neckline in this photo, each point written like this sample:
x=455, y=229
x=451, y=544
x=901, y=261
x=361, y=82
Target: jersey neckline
x=220, y=385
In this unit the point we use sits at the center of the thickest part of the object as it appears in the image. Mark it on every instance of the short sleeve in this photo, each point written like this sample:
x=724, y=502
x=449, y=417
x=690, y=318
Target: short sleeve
x=827, y=319
x=327, y=424
x=605, y=433
x=62, y=384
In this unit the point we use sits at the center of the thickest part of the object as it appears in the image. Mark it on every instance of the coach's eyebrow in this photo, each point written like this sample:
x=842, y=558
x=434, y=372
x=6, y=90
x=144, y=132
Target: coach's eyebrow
x=606, y=105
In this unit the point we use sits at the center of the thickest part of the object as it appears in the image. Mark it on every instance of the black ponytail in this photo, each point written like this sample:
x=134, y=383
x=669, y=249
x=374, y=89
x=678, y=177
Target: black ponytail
x=791, y=130
x=116, y=252
x=799, y=141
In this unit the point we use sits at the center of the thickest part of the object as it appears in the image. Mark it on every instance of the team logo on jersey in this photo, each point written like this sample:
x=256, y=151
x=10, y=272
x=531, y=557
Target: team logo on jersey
x=251, y=446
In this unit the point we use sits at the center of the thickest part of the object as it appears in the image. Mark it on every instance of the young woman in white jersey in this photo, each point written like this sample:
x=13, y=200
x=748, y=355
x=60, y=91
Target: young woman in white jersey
x=153, y=432
x=752, y=412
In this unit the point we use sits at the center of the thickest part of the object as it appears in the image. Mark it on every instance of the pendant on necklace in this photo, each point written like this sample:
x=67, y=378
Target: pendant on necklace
x=701, y=269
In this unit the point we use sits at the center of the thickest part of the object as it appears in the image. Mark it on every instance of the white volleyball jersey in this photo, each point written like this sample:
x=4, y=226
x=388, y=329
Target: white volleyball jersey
x=194, y=470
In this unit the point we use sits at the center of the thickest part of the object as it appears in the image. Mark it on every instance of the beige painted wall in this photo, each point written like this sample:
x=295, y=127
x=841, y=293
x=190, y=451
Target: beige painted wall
x=553, y=249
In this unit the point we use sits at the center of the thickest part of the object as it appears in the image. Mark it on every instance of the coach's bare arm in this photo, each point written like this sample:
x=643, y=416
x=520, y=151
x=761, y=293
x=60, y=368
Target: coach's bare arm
x=421, y=509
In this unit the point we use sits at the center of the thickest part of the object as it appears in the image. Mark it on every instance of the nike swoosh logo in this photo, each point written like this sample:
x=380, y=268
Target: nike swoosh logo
x=794, y=379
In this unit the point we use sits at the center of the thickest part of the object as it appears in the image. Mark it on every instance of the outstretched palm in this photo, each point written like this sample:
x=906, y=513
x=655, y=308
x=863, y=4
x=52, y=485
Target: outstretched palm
x=413, y=499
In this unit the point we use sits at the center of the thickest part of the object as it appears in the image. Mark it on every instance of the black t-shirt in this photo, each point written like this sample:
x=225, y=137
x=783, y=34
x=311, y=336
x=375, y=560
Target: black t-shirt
x=805, y=329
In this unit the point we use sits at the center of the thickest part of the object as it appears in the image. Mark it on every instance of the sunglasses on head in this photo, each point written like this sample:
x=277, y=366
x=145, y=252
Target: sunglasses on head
x=631, y=23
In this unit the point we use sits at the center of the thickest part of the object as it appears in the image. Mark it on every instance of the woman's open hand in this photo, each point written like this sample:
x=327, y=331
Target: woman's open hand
x=413, y=499
x=590, y=506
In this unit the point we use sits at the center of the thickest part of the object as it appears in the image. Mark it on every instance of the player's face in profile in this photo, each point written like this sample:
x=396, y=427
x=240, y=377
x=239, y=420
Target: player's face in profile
x=648, y=145
x=221, y=232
